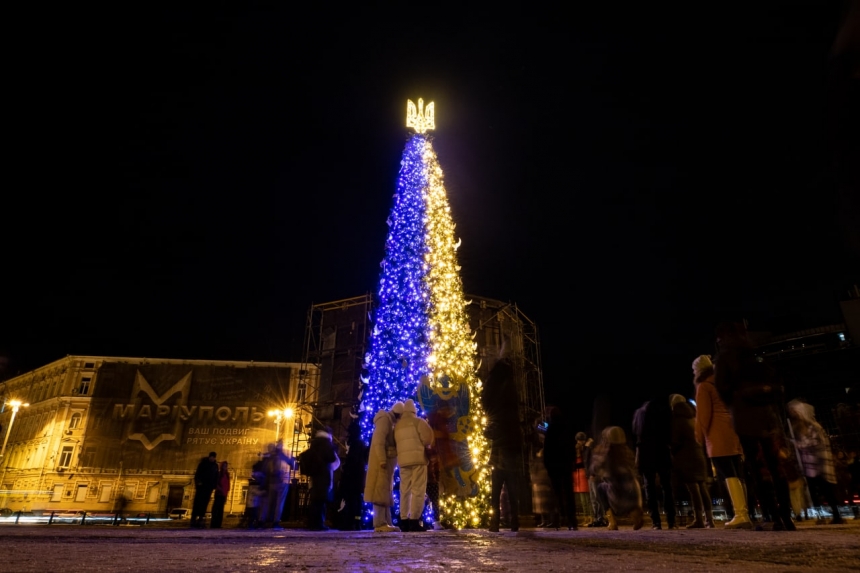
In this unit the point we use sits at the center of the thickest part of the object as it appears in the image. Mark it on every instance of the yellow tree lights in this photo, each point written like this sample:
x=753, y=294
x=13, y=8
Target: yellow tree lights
x=422, y=346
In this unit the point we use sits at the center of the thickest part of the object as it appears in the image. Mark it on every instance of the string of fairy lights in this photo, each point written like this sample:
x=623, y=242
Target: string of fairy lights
x=421, y=329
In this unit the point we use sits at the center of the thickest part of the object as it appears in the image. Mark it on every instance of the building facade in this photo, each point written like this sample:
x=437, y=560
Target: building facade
x=94, y=430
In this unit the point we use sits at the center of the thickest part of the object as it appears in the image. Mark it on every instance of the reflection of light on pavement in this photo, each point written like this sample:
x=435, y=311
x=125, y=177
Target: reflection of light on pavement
x=269, y=556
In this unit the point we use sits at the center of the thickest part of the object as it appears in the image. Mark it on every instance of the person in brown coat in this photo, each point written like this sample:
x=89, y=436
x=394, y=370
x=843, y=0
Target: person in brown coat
x=714, y=428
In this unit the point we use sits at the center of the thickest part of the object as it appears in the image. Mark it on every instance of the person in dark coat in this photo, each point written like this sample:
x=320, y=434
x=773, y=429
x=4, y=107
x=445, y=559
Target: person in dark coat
x=559, y=455
x=319, y=462
x=652, y=426
x=351, y=487
x=500, y=401
x=205, y=482
x=688, y=462
x=753, y=392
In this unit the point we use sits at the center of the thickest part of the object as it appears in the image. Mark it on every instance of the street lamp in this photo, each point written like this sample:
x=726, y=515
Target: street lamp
x=15, y=405
x=280, y=416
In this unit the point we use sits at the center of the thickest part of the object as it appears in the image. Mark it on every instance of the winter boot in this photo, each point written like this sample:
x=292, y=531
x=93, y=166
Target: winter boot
x=741, y=519
x=610, y=517
x=494, y=523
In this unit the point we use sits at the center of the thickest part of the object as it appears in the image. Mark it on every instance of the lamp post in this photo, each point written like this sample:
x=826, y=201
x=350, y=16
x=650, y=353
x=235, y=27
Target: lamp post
x=15, y=405
x=280, y=416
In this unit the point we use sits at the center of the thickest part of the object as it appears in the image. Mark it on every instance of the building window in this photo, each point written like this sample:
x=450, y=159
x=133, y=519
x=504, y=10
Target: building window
x=66, y=457
x=84, y=388
x=105, y=493
x=89, y=457
x=75, y=422
x=89, y=364
x=152, y=492
x=81, y=494
x=58, y=493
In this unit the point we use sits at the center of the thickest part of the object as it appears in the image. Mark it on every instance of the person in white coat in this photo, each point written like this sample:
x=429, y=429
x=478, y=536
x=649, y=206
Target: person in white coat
x=379, y=484
x=413, y=435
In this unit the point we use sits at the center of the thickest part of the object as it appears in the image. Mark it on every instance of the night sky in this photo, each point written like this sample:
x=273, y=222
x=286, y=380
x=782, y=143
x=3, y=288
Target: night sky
x=190, y=181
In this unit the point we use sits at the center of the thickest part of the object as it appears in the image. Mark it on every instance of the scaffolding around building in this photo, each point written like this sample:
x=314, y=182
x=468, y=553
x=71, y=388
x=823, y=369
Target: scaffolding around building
x=335, y=343
x=499, y=324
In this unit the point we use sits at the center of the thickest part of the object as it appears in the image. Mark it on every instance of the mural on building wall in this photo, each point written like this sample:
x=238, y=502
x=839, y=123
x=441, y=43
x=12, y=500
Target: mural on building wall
x=167, y=417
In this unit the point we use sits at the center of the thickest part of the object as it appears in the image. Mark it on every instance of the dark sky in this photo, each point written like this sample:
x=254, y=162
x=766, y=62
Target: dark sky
x=191, y=180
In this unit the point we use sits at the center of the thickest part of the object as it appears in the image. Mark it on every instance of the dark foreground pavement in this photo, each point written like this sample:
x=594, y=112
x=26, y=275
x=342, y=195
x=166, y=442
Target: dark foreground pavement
x=169, y=549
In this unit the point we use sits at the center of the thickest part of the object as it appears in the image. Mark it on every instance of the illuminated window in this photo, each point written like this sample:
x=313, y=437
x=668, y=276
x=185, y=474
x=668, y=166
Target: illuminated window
x=75, y=422
x=84, y=388
x=66, y=457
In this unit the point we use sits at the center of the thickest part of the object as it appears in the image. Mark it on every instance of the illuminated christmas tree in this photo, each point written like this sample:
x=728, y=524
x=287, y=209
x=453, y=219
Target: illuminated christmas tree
x=421, y=346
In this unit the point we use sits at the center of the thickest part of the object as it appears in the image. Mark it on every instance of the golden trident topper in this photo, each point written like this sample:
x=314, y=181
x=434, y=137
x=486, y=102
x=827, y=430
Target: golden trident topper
x=420, y=119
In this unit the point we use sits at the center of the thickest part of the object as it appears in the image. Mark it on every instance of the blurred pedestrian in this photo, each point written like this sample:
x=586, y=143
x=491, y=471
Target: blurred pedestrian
x=278, y=466
x=256, y=496
x=613, y=466
x=813, y=444
x=319, y=462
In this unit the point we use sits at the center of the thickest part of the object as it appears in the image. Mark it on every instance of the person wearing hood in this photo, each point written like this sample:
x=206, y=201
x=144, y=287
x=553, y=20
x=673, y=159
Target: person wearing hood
x=413, y=435
x=320, y=460
x=813, y=444
x=688, y=461
x=714, y=428
x=614, y=469
x=379, y=484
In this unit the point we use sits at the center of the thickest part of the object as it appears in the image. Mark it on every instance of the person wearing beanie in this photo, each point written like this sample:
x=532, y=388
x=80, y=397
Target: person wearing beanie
x=688, y=462
x=412, y=435
x=715, y=430
x=379, y=484
x=614, y=469
x=320, y=460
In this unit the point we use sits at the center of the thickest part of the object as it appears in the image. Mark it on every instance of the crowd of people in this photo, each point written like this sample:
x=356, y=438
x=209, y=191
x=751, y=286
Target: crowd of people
x=734, y=437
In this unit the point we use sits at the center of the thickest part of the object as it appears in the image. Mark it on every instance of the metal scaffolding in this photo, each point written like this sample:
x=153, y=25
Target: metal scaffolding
x=335, y=343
